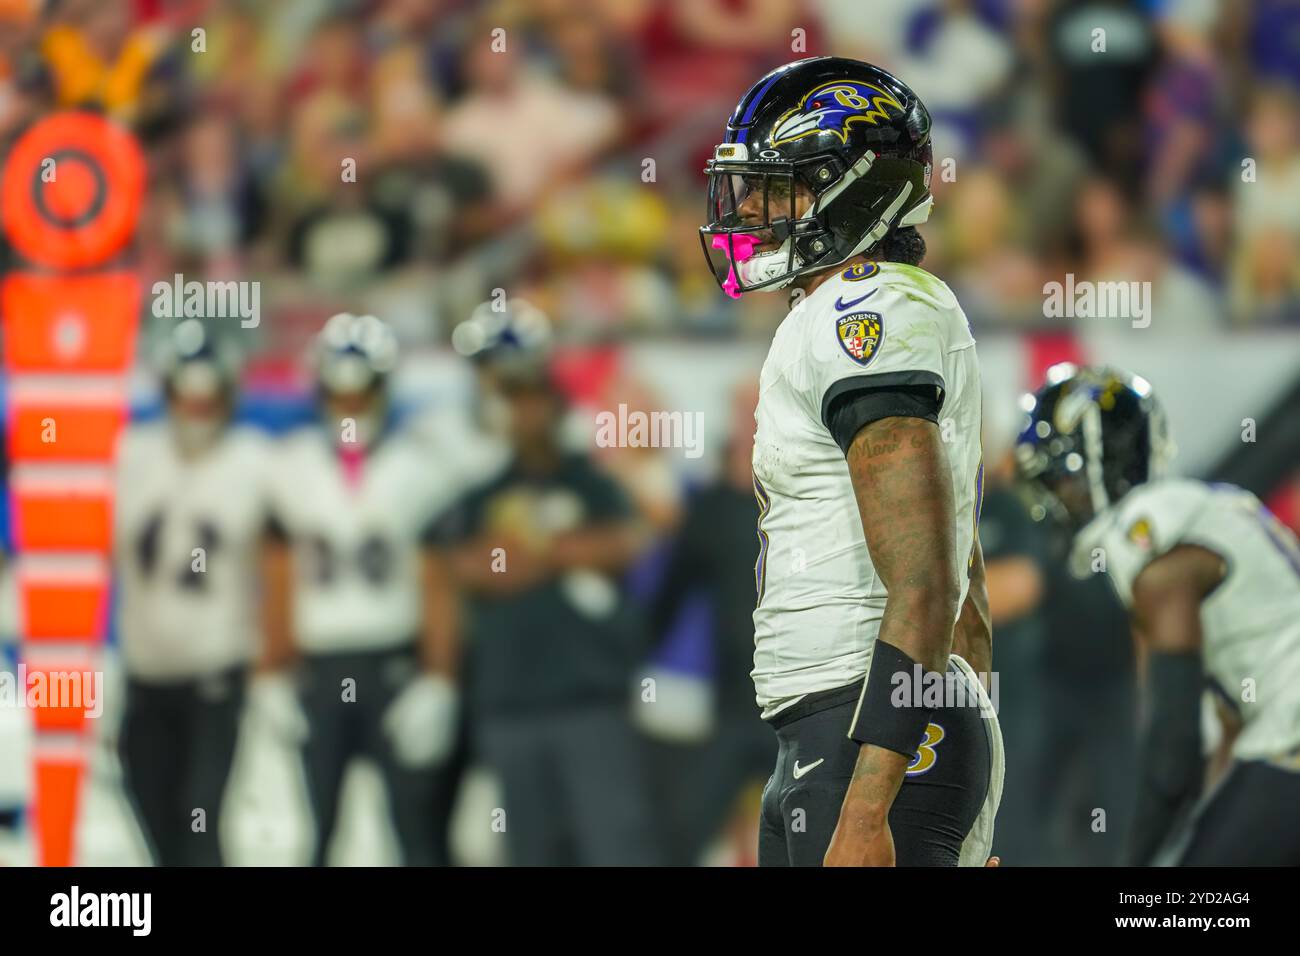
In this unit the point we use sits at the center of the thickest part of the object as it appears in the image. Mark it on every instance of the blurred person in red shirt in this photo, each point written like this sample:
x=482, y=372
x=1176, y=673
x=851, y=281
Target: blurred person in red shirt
x=691, y=47
x=506, y=100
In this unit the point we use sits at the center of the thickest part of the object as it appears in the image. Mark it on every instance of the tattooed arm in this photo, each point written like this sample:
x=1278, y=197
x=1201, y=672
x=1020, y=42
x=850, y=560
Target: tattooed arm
x=972, y=638
x=903, y=486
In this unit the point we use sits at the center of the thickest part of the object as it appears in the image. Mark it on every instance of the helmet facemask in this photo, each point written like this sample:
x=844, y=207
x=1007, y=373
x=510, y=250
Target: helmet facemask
x=757, y=237
x=199, y=373
x=753, y=215
x=1064, y=489
x=199, y=403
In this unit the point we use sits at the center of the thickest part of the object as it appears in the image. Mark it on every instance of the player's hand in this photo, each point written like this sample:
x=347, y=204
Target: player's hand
x=421, y=721
x=860, y=839
x=862, y=836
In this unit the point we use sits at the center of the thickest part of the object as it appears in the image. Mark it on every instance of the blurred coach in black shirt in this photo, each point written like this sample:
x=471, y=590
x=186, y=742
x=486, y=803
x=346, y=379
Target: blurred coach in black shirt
x=538, y=552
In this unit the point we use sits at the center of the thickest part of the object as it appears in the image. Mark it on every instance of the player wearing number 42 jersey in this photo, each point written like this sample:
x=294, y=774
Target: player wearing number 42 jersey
x=1212, y=582
x=189, y=533
x=871, y=600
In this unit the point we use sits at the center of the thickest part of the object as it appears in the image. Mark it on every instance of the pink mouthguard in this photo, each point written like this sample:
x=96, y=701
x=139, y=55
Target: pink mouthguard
x=740, y=248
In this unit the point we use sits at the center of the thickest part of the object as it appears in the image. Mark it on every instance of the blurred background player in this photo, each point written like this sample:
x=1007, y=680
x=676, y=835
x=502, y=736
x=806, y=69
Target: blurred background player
x=352, y=596
x=1014, y=561
x=190, y=534
x=539, y=550
x=697, y=781
x=1212, y=583
x=1059, y=639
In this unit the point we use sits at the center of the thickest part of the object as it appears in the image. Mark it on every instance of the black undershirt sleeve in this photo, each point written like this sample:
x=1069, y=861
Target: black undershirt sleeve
x=1172, y=758
x=853, y=408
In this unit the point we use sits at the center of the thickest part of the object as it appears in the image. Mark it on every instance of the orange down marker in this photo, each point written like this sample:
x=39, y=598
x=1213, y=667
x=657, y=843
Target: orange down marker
x=71, y=189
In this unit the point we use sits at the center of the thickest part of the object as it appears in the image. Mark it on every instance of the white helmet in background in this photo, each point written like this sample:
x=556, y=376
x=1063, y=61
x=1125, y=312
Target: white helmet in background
x=353, y=355
x=200, y=375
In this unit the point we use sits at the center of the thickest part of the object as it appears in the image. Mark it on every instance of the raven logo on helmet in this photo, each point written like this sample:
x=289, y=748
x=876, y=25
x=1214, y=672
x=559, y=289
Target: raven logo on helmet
x=833, y=107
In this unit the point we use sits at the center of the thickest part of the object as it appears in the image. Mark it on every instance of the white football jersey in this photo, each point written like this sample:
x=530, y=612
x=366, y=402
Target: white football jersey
x=356, y=546
x=186, y=551
x=820, y=601
x=1250, y=623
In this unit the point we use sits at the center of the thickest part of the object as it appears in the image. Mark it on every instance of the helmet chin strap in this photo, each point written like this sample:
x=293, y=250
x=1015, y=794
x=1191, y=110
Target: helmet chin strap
x=1162, y=446
x=920, y=214
x=883, y=223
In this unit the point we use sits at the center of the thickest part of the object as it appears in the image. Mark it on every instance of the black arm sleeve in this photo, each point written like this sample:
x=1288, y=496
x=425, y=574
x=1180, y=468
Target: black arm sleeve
x=852, y=409
x=1170, y=747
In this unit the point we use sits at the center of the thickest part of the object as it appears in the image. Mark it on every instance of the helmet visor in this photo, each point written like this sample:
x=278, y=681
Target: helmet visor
x=752, y=212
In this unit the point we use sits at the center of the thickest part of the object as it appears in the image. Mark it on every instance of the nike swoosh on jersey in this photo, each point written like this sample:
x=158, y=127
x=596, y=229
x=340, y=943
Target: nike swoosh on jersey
x=841, y=305
x=800, y=771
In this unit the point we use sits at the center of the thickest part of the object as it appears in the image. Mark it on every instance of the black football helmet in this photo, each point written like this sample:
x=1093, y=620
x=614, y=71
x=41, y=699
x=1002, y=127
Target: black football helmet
x=200, y=375
x=855, y=137
x=1090, y=435
x=194, y=361
x=511, y=339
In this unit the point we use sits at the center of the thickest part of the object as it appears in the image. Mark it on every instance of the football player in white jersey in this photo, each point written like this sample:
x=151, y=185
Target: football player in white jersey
x=356, y=600
x=190, y=531
x=867, y=470
x=1212, y=582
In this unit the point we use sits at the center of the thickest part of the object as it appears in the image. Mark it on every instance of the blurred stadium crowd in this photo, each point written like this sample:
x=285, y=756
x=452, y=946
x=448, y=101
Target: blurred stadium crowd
x=563, y=165
x=1053, y=159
